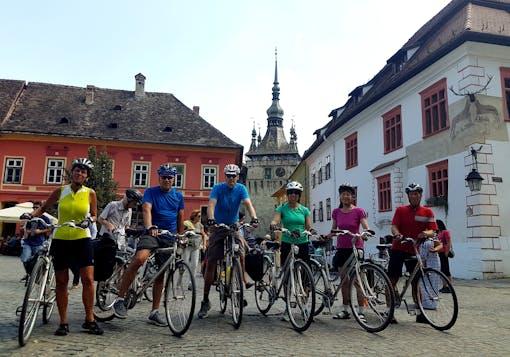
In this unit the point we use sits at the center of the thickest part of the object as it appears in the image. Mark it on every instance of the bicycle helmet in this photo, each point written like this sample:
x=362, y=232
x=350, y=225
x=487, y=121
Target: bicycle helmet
x=167, y=170
x=294, y=185
x=346, y=187
x=83, y=162
x=133, y=195
x=414, y=187
x=231, y=169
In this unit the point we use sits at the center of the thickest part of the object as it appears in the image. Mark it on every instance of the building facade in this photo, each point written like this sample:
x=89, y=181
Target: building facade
x=270, y=161
x=45, y=126
x=444, y=92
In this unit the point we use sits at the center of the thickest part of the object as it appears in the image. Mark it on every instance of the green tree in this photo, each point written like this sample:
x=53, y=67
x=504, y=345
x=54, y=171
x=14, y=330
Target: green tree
x=101, y=179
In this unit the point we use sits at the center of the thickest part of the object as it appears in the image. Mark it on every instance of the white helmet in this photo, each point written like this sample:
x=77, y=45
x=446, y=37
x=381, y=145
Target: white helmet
x=231, y=169
x=294, y=185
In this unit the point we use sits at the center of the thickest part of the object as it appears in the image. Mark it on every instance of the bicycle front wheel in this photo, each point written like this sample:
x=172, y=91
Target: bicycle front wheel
x=372, y=298
x=148, y=267
x=236, y=293
x=321, y=283
x=300, y=296
x=438, y=307
x=31, y=301
x=49, y=295
x=180, y=298
x=264, y=288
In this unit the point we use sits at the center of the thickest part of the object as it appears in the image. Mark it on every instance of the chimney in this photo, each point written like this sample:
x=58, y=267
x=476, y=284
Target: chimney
x=140, y=86
x=196, y=110
x=89, y=95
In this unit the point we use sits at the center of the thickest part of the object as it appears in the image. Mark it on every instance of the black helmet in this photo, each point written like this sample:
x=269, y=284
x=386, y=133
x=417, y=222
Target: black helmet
x=134, y=195
x=346, y=187
x=84, y=163
x=414, y=187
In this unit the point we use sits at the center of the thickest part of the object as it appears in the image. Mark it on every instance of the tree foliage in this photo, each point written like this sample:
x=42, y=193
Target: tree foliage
x=101, y=179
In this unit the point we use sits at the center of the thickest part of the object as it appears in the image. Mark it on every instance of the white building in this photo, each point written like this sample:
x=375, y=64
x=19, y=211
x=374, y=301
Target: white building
x=407, y=125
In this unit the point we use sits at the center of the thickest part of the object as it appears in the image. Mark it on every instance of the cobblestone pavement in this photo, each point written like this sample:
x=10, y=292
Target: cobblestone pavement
x=483, y=328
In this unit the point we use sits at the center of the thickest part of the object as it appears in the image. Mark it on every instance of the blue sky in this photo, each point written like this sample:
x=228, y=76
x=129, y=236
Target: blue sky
x=218, y=55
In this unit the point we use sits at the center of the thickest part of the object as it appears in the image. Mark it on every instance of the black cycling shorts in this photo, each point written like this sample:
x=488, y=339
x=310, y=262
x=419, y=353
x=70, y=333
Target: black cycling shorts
x=341, y=257
x=397, y=260
x=78, y=253
x=152, y=243
x=303, y=254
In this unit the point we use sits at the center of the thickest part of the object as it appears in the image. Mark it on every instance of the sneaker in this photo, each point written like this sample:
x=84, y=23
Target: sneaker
x=120, y=309
x=74, y=287
x=420, y=319
x=285, y=317
x=24, y=279
x=63, y=330
x=342, y=315
x=92, y=327
x=158, y=320
x=205, y=306
x=445, y=290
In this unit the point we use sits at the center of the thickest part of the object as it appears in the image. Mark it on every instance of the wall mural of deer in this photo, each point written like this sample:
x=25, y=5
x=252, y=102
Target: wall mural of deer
x=476, y=117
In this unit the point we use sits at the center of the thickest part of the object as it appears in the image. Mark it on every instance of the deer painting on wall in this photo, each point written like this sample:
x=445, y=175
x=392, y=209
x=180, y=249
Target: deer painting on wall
x=475, y=116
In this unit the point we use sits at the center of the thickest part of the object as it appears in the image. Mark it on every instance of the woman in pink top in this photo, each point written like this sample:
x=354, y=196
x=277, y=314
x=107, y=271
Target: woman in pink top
x=347, y=217
x=446, y=240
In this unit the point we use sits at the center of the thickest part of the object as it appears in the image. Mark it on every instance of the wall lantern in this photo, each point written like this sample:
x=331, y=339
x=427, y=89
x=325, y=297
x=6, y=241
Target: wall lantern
x=474, y=179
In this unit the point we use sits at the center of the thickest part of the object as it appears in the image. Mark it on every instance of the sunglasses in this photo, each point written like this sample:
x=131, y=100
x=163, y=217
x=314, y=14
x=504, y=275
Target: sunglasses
x=293, y=192
x=166, y=177
x=231, y=176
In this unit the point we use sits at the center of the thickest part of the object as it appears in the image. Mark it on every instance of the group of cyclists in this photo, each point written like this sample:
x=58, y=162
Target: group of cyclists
x=163, y=209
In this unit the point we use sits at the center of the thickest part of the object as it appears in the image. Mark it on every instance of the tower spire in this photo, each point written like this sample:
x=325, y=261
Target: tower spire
x=275, y=112
x=253, y=145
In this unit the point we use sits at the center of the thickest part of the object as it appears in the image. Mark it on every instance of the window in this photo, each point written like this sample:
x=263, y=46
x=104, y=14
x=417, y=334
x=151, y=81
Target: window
x=392, y=124
x=351, y=151
x=13, y=169
x=313, y=178
x=209, y=174
x=319, y=173
x=55, y=171
x=505, y=84
x=384, y=193
x=314, y=213
x=438, y=179
x=140, y=174
x=179, y=178
x=434, y=106
x=321, y=212
x=267, y=173
x=327, y=169
x=328, y=209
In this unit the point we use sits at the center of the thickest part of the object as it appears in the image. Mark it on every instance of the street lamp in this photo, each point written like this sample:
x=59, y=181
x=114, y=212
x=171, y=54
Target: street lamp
x=474, y=179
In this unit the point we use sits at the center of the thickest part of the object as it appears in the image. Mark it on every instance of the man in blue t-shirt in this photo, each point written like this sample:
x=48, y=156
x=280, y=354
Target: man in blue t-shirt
x=163, y=208
x=35, y=233
x=224, y=202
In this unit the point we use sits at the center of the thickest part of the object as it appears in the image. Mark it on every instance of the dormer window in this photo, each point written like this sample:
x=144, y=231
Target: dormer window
x=117, y=107
x=63, y=120
x=113, y=125
x=167, y=129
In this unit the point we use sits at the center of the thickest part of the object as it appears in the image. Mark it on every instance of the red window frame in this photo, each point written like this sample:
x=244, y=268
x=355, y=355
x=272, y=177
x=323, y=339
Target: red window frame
x=392, y=130
x=434, y=108
x=384, y=192
x=351, y=151
x=438, y=179
x=505, y=90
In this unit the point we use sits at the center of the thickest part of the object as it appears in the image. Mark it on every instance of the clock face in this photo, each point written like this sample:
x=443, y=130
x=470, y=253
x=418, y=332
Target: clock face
x=280, y=172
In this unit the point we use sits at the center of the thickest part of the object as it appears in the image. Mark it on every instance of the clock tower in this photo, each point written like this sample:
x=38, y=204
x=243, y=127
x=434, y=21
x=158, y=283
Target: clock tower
x=271, y=160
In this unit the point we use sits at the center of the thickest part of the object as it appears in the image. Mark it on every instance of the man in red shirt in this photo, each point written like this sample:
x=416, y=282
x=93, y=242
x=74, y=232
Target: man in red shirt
x=412, y=221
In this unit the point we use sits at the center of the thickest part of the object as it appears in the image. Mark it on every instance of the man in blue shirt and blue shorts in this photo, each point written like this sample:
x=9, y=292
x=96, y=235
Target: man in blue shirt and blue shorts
x=224, y=202
x=163, y=208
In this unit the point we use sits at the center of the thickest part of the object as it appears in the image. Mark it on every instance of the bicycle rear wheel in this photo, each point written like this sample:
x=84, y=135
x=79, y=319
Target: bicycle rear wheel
x=264, y=294
x=32, y=301
x=321, y=287
x=179, y=298
x=236, y=293
x=372, y=298
x=300, y=296
x=49, y=295
x=440, y=309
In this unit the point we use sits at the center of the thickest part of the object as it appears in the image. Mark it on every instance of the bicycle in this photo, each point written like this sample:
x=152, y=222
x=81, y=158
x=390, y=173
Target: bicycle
x=439, y=309
x=372, y=300
x=229, y=275
x=40, y=288
x=179, y=305
x=296, y=280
